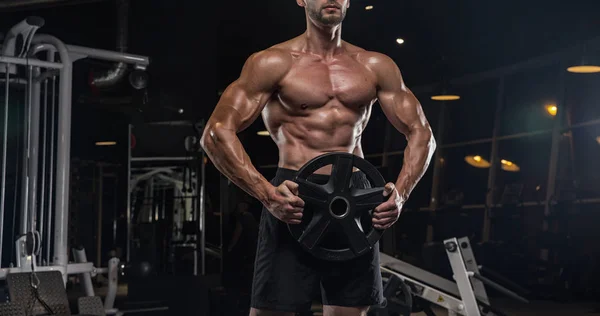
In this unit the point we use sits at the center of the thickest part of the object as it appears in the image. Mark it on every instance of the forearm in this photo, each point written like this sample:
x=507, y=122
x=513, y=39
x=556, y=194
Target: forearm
x=228, y=155
x=417, y=156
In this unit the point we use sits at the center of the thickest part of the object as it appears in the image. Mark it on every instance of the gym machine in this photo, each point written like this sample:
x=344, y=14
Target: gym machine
x=166, y=198
x=36, y=75
x=409, y=289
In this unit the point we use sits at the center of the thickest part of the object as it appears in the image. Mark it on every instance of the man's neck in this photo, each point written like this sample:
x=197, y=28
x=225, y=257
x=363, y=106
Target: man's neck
x=323, y=41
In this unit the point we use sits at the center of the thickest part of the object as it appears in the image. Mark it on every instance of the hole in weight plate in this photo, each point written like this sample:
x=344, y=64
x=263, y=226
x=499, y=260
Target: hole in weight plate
x=339, y=207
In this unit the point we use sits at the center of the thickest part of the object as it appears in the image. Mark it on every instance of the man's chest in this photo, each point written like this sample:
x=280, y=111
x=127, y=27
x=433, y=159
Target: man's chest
x=311, y=84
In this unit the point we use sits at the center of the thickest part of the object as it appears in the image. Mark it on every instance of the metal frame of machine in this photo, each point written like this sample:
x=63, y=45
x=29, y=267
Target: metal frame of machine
x=43, y=210
x=466, y=296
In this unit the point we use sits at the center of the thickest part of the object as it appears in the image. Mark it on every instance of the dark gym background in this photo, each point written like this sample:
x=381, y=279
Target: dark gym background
x=198, y=47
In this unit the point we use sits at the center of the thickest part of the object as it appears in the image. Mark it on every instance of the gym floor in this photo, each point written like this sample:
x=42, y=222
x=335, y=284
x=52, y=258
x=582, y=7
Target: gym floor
x=536, y=308
x=507, y=306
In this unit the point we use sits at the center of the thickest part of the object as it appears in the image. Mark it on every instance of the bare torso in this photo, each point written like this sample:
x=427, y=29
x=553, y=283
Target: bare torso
x=314, y=99
x=322, y=105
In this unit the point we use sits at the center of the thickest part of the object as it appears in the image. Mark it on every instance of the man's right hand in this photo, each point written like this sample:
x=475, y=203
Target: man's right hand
x=285, y=204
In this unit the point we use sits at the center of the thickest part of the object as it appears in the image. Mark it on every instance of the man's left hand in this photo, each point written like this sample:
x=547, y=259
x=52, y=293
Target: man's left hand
x=387, y=213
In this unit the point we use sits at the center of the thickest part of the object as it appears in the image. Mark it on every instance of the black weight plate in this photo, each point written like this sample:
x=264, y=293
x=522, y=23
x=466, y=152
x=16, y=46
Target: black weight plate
x=336, y=206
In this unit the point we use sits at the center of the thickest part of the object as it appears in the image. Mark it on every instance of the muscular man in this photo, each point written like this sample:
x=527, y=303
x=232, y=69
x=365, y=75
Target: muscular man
x=315, y=93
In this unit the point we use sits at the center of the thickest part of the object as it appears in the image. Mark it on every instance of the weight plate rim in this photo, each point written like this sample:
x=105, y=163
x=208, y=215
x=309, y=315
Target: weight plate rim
x=375, y=179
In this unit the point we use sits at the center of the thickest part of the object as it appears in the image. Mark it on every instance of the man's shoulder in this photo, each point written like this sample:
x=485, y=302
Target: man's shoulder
x=271, y=54
x=270, y=59
x=371, y=58
x=380, y=64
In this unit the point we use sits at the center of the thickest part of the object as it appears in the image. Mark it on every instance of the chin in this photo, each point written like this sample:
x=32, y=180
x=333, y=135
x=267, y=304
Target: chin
x=331, y=20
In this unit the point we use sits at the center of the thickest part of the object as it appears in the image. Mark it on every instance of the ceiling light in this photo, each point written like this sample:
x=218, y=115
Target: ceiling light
x=584, y=69
x=445, y=97
x=369, y=7
x=552, y=109
x=598, y=140
x=441, y=93
x=263, y=133
x=400, y=41
x=509, y=166
x=587, y=63
x=477, y=161
x=110, y=143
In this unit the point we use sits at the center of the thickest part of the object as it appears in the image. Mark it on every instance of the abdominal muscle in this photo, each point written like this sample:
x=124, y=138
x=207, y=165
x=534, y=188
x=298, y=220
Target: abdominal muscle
x=304, y=136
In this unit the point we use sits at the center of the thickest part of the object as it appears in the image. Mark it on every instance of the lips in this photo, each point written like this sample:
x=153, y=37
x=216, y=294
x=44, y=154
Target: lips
x=331, y=7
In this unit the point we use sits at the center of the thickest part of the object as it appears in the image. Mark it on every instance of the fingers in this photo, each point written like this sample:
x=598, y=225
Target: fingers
x=291, y=186
x=284, y=190
x=296, y=201
x=386, y=206
x=291, y=206
x=385, y=220
x=292, y=215
x=388, y=189
x=383, y=223
x=383, y=215
x=289, y=189
x=386, y=214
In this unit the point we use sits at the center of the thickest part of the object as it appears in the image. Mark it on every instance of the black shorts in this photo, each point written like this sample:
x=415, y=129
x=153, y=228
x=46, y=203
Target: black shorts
x=287, y=278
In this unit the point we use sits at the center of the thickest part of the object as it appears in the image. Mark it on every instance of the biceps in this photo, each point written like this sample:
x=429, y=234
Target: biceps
x=239, y=107
x=403, y=110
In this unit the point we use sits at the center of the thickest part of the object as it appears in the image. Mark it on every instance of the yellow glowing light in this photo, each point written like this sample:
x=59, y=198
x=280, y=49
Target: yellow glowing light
x=477, y=161
x=506, y=162
x=445, y=97
x=369, y=7
x=106, y=143
x=400, y=41
x=552, y=109
x=509, y=166
x=263, y=133
x=584, y=69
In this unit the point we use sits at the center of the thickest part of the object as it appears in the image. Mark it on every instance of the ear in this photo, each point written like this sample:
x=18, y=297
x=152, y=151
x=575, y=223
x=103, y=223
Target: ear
x=301, y=3
x=348, y=5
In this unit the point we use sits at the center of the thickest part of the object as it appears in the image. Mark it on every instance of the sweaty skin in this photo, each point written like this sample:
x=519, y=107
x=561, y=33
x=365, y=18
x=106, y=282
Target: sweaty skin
x=315, y=93
x=312, y=105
